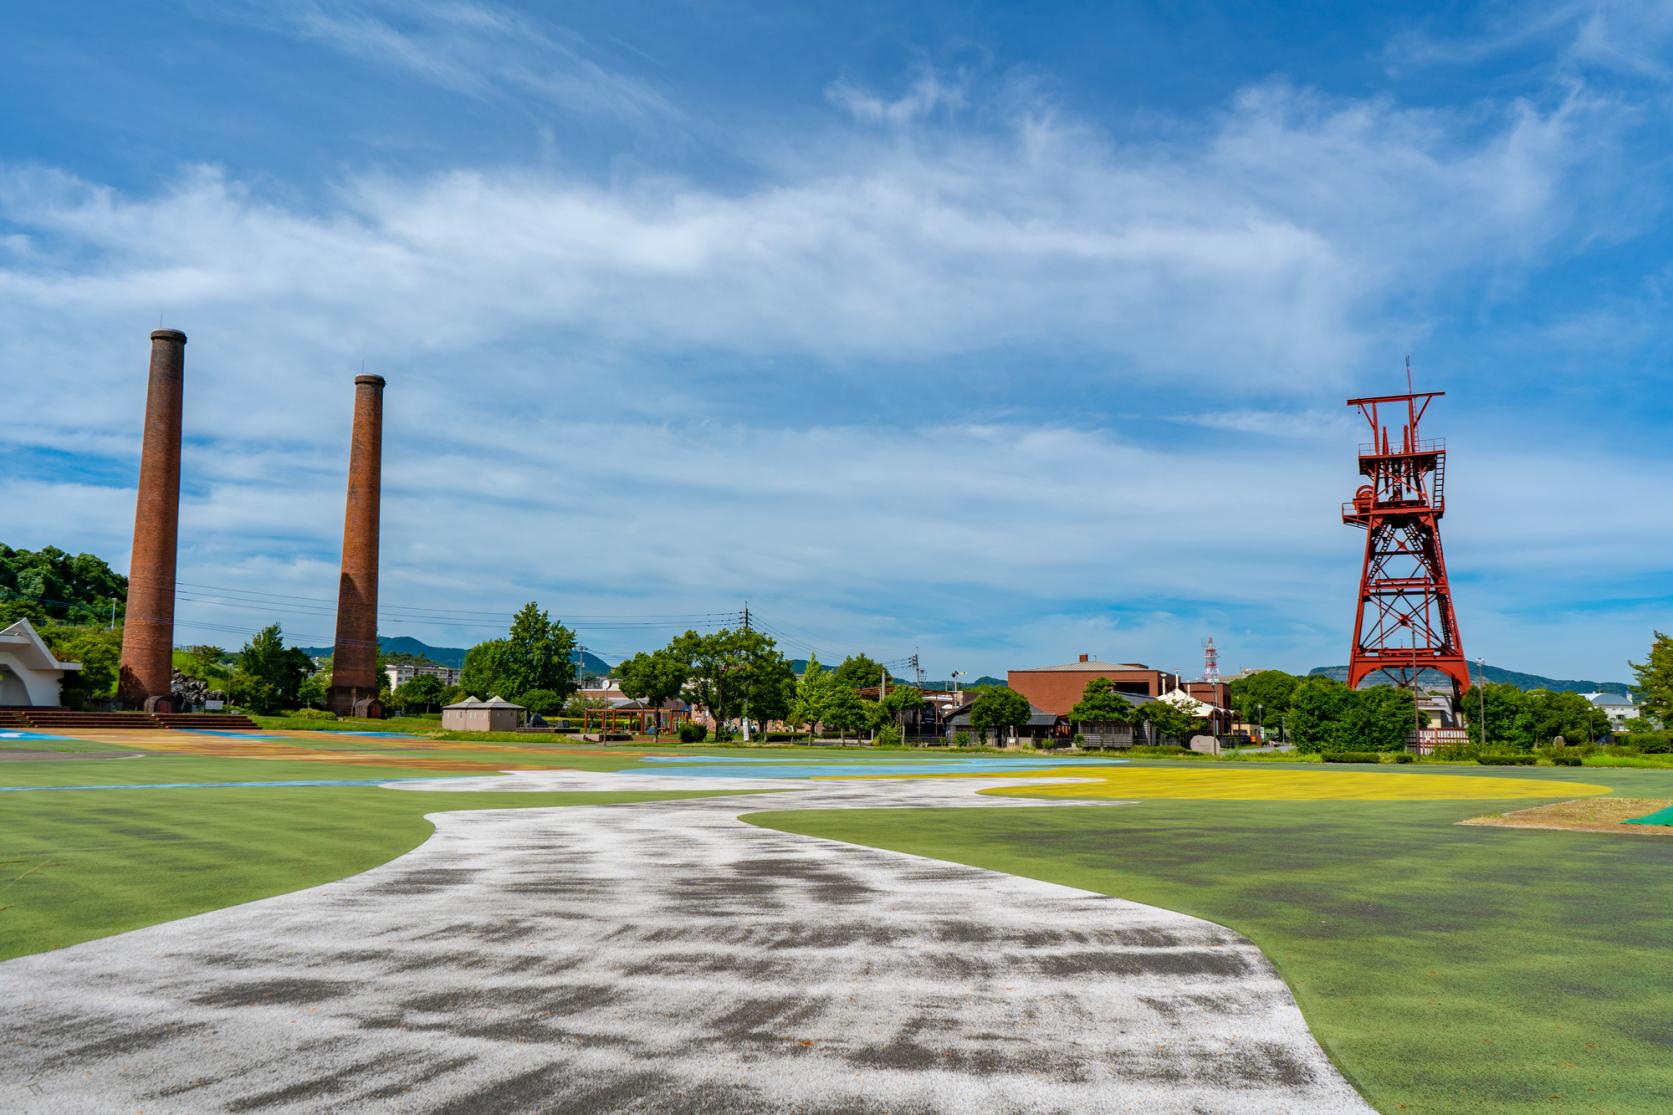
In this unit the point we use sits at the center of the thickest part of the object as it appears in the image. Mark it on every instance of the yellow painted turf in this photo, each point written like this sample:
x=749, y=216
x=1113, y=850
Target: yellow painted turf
x=1286, y=785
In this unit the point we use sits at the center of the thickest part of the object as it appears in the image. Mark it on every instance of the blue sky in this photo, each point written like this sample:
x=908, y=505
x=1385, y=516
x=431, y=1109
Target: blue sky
x=1001, y=332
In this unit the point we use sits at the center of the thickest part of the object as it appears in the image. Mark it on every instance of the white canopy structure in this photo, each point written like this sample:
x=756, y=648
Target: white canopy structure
x=29, y=673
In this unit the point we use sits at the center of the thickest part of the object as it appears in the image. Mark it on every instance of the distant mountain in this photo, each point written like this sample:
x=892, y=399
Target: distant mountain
x=450, y=656
x=1496, y=674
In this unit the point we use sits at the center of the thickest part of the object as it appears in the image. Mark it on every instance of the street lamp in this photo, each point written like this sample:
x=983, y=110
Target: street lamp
x=1260, y=714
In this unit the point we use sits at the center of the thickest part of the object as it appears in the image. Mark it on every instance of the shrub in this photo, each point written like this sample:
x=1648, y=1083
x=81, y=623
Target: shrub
x=1505, y=760
x=541, y=702
x=1352, y=757
x=888, y=737
x=693, y=733
x=961, y=739
x=1649, y=743
x=1405, y=757
x=724, y=735
x=313, y=714
x=1565, y=760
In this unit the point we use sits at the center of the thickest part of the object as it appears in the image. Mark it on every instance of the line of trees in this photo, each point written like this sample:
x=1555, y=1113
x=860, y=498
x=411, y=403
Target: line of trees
x=1317, y=713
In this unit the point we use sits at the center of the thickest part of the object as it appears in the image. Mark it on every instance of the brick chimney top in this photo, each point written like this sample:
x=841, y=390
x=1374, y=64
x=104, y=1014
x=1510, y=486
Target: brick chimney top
x=375, y=381
x=1086, y=658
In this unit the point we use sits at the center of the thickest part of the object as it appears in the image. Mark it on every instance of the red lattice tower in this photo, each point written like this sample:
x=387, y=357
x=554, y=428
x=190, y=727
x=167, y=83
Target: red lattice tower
x=1405, y=622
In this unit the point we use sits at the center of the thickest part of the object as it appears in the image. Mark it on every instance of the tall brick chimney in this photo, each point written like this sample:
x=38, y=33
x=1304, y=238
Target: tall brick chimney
x=354, y=662
x=148, y=632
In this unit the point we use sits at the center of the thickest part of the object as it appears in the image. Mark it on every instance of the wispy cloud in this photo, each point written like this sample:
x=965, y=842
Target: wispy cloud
x=475, y=49
x=1629, y=37
x=927, y=95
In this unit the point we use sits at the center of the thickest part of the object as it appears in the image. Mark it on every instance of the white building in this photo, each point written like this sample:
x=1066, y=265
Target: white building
x=1619, y=709
x=29, y=674
x=401, y=673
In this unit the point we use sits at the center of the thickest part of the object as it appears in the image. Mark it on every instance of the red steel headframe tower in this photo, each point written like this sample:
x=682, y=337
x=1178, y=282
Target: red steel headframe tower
x=1405, y=622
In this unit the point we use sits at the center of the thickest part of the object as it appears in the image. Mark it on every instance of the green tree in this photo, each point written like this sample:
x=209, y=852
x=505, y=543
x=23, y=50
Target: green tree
x=100, y=655
x=735, y=673
x=50, y=586
x=1316, y=714
x=901, y=701
x=655, y=678
x=207, y=664
x=1507, y=723
x=1102, y=703
x=859, y=671
x=269, y=675
x=423, y=692
x=1264, y=696
x=999, y=708
x=541, y=702
x=1168, y=721
x=316, y=688
x=485, y=669
x=814, y=690
x=1376, y=719
x=844, y=711
x=1655, y=681
x=1548, y=714
x=537, y=653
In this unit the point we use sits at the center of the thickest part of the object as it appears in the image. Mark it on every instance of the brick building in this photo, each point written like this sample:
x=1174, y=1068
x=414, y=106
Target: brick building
x=1058, y=688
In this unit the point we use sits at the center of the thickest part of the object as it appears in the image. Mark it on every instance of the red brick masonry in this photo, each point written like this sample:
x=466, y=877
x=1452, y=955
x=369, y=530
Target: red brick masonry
x=148, y=632
x=354, y=680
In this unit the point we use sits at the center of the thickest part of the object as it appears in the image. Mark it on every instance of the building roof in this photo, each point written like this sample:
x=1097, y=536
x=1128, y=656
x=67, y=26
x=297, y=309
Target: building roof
x=1037, y=717
x=1083, y=667
x=23, y=640
x=1610, y=700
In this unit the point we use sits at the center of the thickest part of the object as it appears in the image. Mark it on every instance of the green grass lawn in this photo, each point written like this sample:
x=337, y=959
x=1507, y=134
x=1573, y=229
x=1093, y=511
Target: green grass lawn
x=76, y=865
x=1444, y=968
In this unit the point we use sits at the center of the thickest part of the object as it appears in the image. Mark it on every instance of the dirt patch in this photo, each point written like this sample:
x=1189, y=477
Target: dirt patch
x=1583, y=815
x=18, y=755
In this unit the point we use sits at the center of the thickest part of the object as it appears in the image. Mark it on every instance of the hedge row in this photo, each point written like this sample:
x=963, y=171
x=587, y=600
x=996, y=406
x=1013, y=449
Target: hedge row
x=1352, y=757
x=1507, y=760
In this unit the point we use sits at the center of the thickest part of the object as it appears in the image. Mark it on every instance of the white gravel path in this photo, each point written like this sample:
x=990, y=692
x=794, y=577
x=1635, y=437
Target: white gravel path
x=666, y=957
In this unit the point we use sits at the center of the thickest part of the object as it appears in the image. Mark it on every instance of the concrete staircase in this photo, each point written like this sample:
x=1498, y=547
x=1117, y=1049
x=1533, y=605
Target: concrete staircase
x=36, y=718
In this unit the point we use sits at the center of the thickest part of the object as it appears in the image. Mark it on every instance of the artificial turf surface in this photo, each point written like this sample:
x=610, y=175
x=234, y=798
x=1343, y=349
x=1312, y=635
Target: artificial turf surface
x=1444, y=968
x=79, y=865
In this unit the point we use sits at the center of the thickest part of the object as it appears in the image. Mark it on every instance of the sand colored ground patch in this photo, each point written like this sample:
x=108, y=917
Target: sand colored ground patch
x=452, y=756
x=1245, y=784
x=1583, y=815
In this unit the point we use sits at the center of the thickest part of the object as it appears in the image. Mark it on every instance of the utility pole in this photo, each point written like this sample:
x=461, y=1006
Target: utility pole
x=1481, y=695
x=746, y=615
x=113, y=613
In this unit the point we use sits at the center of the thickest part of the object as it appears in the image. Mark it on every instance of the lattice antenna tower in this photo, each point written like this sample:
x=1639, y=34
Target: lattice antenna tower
x=1210, y=661
x=1404, y=622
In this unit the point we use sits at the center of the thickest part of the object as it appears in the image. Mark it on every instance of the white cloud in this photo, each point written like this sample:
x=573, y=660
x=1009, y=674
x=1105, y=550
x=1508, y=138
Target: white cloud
x=1266, y=254
x=536, y=446
x=924, y=97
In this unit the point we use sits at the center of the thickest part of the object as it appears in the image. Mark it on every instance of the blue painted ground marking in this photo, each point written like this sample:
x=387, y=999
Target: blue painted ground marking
x=11, y=733
x=705, y=766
